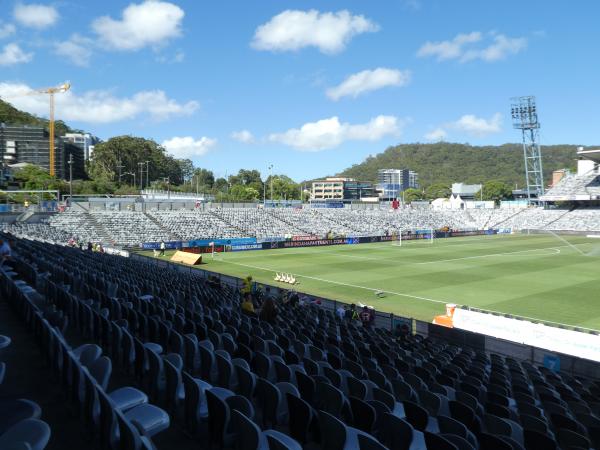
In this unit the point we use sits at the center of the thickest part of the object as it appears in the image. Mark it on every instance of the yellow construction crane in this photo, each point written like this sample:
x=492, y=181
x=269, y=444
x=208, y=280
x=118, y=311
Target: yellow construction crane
x=50, y=91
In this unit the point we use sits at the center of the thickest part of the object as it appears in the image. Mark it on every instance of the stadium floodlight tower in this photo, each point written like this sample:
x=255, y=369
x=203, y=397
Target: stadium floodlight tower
x=523, y=111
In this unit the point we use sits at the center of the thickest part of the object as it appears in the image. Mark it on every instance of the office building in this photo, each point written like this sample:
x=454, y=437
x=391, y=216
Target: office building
x=83, y=140
x=341, y=189
x=392, y=182
x=28, y=144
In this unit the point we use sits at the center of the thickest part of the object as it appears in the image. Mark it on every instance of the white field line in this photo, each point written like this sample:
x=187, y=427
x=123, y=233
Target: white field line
x=388, y=246
x=556, y=252
x=400, y=294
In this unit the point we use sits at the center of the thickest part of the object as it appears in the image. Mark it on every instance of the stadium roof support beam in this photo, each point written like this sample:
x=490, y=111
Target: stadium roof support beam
x=524, y=117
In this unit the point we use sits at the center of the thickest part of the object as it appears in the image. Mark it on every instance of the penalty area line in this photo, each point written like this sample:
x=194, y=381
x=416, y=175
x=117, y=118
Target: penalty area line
x=556, y=252
x=399, y=294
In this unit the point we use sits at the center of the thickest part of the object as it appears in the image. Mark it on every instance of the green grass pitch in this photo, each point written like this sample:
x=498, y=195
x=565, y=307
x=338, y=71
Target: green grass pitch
x=536, y=276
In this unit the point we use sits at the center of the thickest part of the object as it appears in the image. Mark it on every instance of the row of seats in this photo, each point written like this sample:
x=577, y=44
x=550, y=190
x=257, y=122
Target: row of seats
x=131, y=228
x=308, y=378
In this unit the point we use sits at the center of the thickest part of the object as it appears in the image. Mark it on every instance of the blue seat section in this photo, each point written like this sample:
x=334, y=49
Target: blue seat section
x=193, y=362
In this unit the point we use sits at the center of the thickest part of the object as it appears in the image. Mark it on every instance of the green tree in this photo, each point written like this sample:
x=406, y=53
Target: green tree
x=220, y=185
x=437, y=190
x=283, y=188
x=187, y=168
x=495, y=190
x=245, y=177
x=243, y=193
x=411, y=194
x=128, y=154
x=203, y=178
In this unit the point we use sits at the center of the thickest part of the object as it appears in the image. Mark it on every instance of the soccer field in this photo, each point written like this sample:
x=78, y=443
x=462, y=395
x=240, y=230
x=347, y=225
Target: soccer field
x=538, y=276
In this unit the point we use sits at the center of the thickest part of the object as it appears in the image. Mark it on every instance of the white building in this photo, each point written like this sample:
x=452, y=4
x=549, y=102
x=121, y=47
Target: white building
x=83, y=140
x=392, y=182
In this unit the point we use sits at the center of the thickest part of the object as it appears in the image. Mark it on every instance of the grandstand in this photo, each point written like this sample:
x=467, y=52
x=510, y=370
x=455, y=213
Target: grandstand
x=132, y=228
x=168, y=359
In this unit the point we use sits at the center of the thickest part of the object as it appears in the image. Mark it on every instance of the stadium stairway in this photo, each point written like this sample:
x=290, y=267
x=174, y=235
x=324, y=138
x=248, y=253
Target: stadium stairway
x=28, y=376
x=32, y=374
x=496, y=225
x=288, y=223
x=546, y=226
x=172, y=236
x=343, y=223
x=244, y=231
x=101, y=231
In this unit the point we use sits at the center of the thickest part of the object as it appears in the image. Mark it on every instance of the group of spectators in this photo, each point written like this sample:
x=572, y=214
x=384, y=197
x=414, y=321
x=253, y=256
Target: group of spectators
x=91, y=246
x=263, y=304
x=349, y=313
x=260, y=301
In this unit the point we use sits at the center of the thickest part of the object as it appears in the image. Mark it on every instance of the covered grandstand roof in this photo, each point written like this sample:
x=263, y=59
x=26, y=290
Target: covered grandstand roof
x=594, y=155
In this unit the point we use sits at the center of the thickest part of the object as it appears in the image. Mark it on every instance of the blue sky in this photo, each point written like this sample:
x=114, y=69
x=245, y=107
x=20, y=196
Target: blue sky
x=310, y=87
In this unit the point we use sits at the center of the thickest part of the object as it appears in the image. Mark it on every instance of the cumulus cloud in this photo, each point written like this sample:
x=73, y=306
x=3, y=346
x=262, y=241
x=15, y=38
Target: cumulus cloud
x=469, y=124
x=293, y=30
x=6, y=29
x=477, y=126
x=12, y=54
x=329, y=133
x=464, y=47
x=76, y=49
x=367, y=81
x=99, y=106
x=439, y=134
x=243, y=136
x=188, y=147
x=500, y=48
x=151, y=23
x=35, y=15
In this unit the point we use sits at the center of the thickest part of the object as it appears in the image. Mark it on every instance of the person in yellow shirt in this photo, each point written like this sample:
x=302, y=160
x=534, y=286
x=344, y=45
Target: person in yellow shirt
x=247, y=305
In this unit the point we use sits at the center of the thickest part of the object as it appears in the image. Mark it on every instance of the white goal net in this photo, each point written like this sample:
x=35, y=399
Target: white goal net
x=412, y=237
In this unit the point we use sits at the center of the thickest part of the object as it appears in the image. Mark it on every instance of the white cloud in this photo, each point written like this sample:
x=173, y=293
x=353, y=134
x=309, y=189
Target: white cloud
x=449, y=49
x=501, y=47
x=469, y=124
x=477, y=126
x=13, y=54
x=188, y=147
x=243, y=136
x=35, y=15
x=98, y=106
x=151, y=23
x=367, y=81
x=439, y=134
x=463, y=47
x=294, y=29
x=6, y=29
x=76, y=49
x=329, y=133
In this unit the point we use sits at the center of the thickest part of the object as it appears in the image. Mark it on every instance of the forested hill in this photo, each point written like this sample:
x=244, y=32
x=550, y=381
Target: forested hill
x=12, y=116
x=447, y=163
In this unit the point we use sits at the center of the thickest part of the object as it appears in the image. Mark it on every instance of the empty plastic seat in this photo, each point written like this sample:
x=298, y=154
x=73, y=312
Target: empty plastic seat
x=14, y=411
x=33, y=432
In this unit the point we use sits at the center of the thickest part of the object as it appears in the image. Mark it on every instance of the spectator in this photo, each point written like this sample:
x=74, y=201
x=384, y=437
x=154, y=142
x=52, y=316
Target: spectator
x=268, y=312
x=247, y=305
x=294, y=299
x=351, y=313
x=341, y=311
x=5, y=252
x=365, y=316
x=402, y=332
x=90, y=246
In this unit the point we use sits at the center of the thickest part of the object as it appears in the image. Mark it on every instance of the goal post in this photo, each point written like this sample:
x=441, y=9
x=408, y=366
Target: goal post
x=421, y=235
